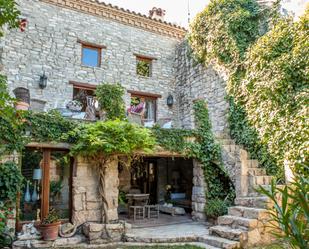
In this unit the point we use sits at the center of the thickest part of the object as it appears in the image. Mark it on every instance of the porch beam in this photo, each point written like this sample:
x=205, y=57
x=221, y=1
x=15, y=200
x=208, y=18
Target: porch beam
x=45, y=183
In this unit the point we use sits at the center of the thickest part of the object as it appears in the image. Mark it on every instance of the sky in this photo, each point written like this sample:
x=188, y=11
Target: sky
x=177, y=10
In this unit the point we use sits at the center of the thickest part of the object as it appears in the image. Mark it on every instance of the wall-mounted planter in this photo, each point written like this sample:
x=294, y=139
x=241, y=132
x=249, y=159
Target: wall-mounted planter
x=22, y=94
x=23, y=106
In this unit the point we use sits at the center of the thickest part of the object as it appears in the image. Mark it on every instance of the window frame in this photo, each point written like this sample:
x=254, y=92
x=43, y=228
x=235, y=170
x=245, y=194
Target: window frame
x=93, y=46
x=150, y=96
x=99, y=50
x=147, y=59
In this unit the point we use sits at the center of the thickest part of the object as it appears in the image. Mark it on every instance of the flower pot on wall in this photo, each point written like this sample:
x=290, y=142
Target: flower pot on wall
x=50, y=231
x=23, y=106
x=22, y=94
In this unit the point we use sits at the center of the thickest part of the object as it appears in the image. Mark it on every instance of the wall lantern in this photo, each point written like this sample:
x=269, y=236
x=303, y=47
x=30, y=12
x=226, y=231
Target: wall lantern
x=43, y=81
x=170, y=100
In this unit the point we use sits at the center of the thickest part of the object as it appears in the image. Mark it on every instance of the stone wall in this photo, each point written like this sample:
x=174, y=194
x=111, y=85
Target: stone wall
x=50, y=44
x=194, y=81
x=86, y=199
x=198, y=192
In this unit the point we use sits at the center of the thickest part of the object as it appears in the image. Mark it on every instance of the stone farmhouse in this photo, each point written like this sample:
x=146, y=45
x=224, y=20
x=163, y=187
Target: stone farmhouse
x=67, y=48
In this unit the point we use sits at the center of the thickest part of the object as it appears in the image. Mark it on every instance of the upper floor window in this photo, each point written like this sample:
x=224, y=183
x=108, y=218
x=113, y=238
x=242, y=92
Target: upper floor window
x=91, y=54
x=144, y=66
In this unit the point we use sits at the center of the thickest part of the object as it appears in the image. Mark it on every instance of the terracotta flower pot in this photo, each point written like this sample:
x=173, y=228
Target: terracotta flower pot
x=50, y=231
x=22, y=106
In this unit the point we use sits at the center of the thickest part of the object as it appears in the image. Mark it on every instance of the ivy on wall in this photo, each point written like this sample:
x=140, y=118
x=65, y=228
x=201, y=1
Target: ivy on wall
x=268, y=83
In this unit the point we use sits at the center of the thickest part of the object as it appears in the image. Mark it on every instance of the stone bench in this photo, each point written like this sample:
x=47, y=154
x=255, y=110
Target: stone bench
x=172, y=210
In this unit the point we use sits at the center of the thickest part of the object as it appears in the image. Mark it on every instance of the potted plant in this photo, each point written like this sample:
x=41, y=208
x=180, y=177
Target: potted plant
x=49, y=227
x=23, y=98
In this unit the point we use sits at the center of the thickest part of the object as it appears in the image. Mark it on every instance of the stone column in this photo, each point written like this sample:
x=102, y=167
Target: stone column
x=198, y=192
x=87, y=202
x=112, y=191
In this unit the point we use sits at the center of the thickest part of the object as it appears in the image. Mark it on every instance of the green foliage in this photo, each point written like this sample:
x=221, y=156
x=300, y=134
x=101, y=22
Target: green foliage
x=110, y=97
x=215, y=208
x=291, y=211
x=209, y=154
x=110, y=138
x=10, y=121
x=268, y=81
x=8, y=15
x=143, y=68
x=48, y=127
x=175, y=140
x=276, y=86
x=5, y=212
x=224, y=30
x=51, y=218
x=10, y=181
x=245, y=134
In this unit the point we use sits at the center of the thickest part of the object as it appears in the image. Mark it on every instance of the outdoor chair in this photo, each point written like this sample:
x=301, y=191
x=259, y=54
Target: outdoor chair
x=152, y=211
x=138, y=212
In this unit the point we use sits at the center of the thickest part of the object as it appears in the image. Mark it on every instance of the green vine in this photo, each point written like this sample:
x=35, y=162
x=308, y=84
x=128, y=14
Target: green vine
x=268, y=81
x=110, y=97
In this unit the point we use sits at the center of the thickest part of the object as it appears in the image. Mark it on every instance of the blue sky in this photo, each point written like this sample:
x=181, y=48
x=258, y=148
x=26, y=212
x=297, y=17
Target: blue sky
x=177, y=10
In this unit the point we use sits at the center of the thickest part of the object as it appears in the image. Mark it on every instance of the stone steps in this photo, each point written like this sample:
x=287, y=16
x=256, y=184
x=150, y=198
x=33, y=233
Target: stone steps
x=248, y=212
x=256, y=171
x=255, y=201
x=260, y=180
x=228, y=233
x=237, y=222
x=219, y=242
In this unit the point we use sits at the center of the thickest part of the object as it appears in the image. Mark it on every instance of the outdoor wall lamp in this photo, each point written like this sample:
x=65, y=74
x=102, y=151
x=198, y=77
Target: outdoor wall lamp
x=43, y=81
x=170, y=100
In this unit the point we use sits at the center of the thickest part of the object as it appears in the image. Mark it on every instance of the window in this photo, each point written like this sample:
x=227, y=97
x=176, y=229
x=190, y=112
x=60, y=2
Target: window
x=91, y=56
x=143, y=66
x=144, y=104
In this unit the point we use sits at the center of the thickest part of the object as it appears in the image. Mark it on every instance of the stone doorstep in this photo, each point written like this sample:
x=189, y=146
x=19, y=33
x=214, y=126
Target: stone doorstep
x=212, y=241
x=219, y=242
x=238, y=222
x=229, y=233
x=77, y=239
x=248, y=212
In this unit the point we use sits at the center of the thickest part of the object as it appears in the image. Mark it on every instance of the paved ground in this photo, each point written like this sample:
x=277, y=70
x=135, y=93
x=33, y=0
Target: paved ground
x=174, y=231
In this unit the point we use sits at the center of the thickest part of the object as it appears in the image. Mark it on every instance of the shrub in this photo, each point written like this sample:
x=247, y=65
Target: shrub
x=291, y=210
x=215, y=208
x=110, y=97
x=10, y=181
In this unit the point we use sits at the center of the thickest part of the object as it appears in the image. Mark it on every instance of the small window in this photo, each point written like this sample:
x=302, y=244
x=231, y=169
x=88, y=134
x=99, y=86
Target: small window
x=91, y=56
x=143, y=66
x=146, y=106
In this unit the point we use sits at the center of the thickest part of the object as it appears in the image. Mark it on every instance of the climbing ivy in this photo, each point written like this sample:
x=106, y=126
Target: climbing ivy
x=220, y=191
x=224, y=30
x=175, y=140
x=268, y=78
x=209, y=154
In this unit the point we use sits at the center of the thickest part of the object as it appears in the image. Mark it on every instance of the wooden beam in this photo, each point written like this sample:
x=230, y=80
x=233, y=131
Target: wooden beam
x=58, y=146
x=85, y=86
x=144, y=94
x=90, y=44
x=145, y=57
x=45, y=183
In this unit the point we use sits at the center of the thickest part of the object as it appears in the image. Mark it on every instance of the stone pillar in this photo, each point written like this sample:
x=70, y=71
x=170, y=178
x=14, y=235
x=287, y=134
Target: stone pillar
x=112, y=184
x=87, y=203
x=198, y=192
x=241, y=176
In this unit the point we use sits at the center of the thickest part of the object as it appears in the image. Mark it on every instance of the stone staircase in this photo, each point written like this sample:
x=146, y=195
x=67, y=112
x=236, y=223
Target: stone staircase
x=245, y=222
